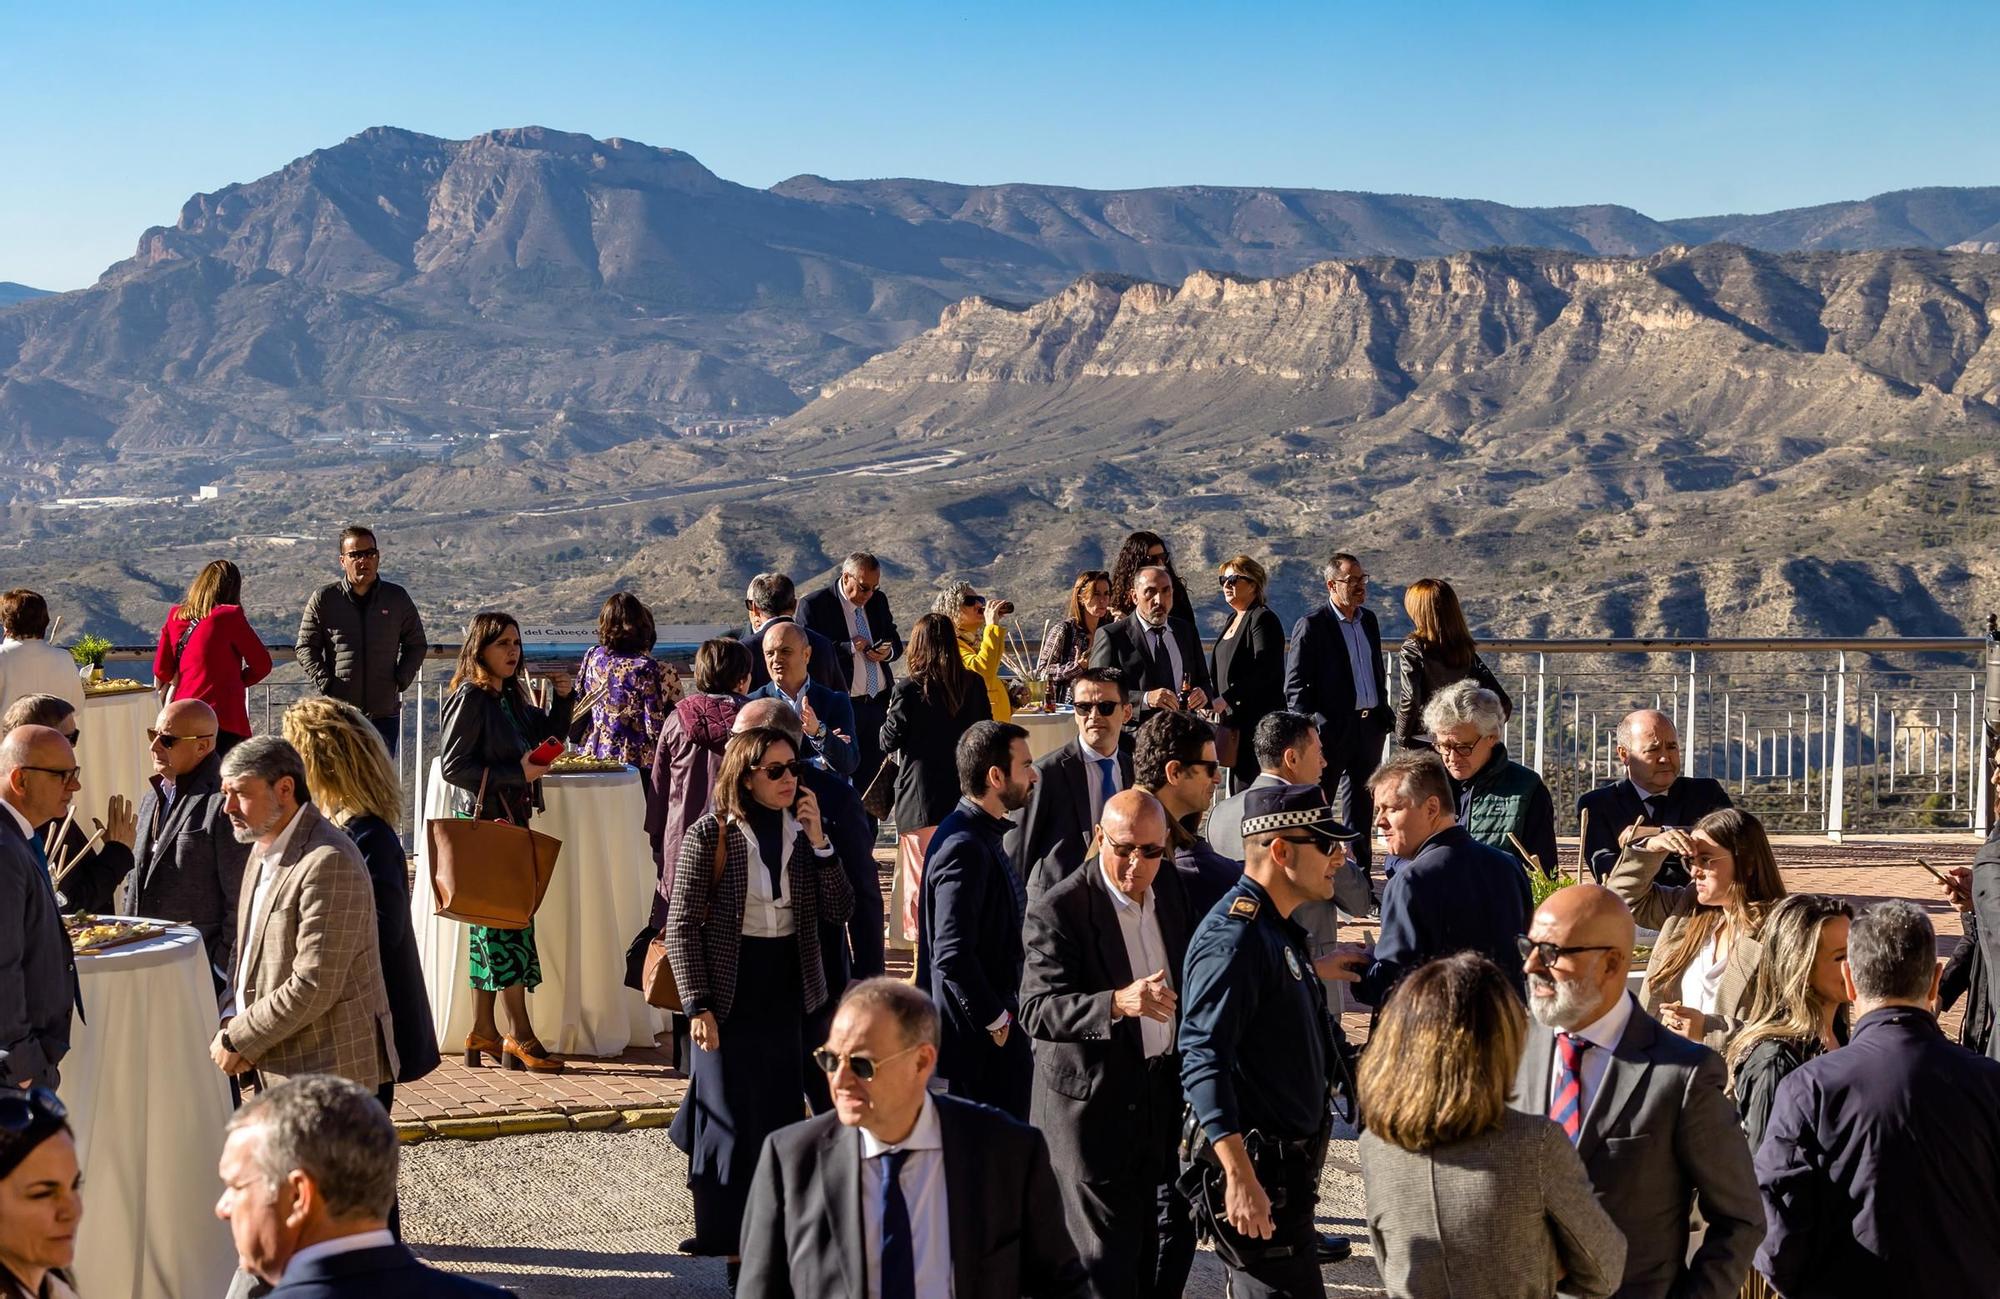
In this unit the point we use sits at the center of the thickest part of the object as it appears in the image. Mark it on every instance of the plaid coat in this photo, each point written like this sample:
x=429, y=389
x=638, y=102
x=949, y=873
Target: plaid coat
x=705, y=925
x=314, y=1001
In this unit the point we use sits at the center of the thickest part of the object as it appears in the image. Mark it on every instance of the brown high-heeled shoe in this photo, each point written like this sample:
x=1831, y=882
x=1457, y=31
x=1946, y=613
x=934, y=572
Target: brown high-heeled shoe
x=475, y=1046
x=517, y=1057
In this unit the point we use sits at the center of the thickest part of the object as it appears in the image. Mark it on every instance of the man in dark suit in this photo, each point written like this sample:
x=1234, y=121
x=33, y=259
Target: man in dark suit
x=969, y=952
x=824, y=713
x=38, y=985
x=900, y=1191
x=1072, y=784
x=771, y=599
x=1880, y=1165
x=1173, y=759
x=1159, y=657
x=854, y=616
x=308, y=1174
x=1653, y=796
x=1334, y=674
x=1644, y=1106
x=1452, y=893
x=189, y=865
x=1100, y=999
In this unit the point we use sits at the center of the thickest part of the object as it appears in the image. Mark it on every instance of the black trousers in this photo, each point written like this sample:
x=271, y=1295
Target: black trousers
x=389, y=728
x=869, y=713
x=1346, y=779
x=1000, y=1076
x=1287, y=1265
x=1135, y=1234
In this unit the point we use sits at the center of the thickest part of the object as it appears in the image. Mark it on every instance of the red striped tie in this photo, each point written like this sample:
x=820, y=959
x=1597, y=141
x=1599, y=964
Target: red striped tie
x=1567, y=1107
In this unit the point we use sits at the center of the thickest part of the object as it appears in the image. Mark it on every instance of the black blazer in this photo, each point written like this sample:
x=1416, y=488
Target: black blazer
x=188, y=865
x=402, y=973
x=386, y=1272
x=1089, y=1070
x=37, y=969
x=1319, y=680
x=823, y=666
x=1118, y=644
x=802, y=1232
x=852, y=835
x=925, y=739
x=1613, y=807
x=477, y=739
x=1249, y=671
x=1053, y=832
x=823, y=612
x=968, y=936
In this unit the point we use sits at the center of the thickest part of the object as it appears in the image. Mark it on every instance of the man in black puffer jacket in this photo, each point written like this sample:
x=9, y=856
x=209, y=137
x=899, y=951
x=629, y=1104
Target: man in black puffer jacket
x=360, y=639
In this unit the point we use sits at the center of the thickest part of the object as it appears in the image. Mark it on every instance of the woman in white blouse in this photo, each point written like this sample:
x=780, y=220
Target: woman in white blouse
x=756, y=878
x=1699, y=979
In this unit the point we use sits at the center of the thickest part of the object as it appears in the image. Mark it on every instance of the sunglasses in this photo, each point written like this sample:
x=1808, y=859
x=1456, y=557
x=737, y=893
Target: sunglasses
x=1549, y=952
x=19, y=1110
x=75, y=738
x=979, y=603
x=370, y=553
x=1102, y=707
x=1214, y=768
x=864, y=1067
x=1150, y=851
x=1228, y=580
x=780, y=770
x=167, y=739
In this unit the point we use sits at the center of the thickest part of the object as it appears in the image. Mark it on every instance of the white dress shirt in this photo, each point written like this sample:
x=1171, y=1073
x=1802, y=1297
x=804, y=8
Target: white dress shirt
x=1145, y=952
x=924, y=1191
x=1173, y=647
x=266, y=865
x=360, y=1240
x=767, y=914
x=1359, y=656
x=1603, y=1037
x=35, y=667
x=861, y=661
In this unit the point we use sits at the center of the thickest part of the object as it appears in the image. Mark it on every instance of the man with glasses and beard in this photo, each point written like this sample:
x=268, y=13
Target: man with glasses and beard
x=1073, y=784
x=969, y=953
x=361, y=639
x=1644, y=1106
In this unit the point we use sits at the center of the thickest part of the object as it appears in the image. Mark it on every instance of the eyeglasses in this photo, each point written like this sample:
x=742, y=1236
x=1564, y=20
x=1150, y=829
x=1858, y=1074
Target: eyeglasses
x=167, y=739
x=1157, y=556
x=1356, y=579
x=780, y=770
x=370, y=553
x=1150, y=851
x=1228, y=580
x=1549, y=952
x=69, y=774
x=18, y=1110
x=1102, y=707
x=1454, y=747
x=864, y=1067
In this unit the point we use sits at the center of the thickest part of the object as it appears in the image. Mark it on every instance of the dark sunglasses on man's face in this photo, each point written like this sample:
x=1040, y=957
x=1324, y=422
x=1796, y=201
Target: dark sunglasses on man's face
x=167, y=739
x=1150, y=851
x=370, y=553
x=829, y=1062
x=780, y=770
x=1102, y=707
x=75, y=738
x=1549, y=952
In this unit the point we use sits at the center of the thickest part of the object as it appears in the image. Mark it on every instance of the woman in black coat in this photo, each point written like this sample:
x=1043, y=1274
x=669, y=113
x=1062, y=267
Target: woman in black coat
x=490, y=725
x=935, y=704
x=1248, y=661
x=1797, y=1004
x=1439, y=653
x=757, y=884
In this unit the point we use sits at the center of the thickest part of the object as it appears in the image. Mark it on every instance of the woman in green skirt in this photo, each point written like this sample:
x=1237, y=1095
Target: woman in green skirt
x=490, y=726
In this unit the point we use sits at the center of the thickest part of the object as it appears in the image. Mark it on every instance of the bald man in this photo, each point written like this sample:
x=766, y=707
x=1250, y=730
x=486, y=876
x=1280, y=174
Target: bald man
x=188, y=864
x=38, y=777
x=1100, y=999
x=825, y=715
x=1644, y=1106
x=1653, y=796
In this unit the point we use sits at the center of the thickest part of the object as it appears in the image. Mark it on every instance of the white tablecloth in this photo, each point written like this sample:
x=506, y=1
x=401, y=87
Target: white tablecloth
x=111, y=750
x=600, y=896
x=1047, y=732
x=148, y=1106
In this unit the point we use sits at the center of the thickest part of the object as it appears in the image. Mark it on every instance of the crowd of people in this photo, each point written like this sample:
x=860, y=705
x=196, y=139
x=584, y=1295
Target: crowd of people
x=1123, y=1034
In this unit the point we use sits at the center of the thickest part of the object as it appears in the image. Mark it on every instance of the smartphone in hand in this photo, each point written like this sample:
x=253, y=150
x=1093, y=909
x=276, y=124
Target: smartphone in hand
x=546, y=752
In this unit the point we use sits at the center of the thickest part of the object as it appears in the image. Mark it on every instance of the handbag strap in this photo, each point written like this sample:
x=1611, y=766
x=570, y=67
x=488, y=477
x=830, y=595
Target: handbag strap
x=721, y=860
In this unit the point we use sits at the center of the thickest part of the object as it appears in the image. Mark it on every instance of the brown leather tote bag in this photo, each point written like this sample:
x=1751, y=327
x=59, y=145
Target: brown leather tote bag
x=660, y=989
x=491, y=873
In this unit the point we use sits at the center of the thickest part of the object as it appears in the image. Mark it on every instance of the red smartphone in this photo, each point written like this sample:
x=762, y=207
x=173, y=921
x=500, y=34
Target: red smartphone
x=546, y=752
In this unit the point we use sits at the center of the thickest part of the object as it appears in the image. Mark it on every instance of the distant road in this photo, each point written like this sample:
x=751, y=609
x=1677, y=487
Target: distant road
x=899, y=466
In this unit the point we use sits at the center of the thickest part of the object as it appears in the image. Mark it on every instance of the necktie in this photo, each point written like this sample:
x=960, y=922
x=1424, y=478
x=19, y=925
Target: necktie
x=1567, y=1107
x=1160, y=673
x=1107, y=782
x=41, y=852
x=1655, y=805
x=871, y=675
x=899, y=1255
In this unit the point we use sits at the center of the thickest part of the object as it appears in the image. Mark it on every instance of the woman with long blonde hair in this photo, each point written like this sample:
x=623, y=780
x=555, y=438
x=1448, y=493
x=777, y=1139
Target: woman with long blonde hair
x=1706, y=958
x=207, y=651
x=1438, y=652
x=1798, y=1007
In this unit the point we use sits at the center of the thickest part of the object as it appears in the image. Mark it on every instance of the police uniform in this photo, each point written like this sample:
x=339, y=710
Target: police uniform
x=1257, y=1050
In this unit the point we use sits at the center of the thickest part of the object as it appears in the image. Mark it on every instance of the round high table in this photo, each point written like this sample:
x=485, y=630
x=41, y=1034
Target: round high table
x=148, y=1107
x=1047, y=732
x=600, y=896
x=111, y=750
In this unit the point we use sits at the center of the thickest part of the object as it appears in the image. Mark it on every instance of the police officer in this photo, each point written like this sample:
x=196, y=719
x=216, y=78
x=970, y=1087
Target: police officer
x=1257, y=1047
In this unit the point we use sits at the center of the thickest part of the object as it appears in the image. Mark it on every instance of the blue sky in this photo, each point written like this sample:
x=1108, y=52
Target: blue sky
x=112, y=115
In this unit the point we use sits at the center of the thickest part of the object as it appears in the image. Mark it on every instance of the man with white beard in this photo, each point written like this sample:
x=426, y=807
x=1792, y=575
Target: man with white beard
x=1644, y=1106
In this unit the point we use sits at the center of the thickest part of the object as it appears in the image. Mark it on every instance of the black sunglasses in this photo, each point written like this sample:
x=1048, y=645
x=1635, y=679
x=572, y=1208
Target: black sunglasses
x=829, y=1062
x=779, y=770
x=370, y=553
x=19, y=1110
x=1549, y=952
x=1150, y=851
x=1102, y=707
x=167, y=739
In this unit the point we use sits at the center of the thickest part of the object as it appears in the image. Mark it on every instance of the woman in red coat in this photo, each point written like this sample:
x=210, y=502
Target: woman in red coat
x=208, y=652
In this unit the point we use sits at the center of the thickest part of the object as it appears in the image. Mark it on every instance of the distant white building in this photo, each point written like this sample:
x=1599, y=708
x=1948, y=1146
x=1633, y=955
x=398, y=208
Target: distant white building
x=208, y=492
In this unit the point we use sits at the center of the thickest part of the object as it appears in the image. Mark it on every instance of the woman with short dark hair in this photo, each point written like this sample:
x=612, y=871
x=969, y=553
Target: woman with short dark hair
x=1468, y=1198
x=689, y=754
x=207, y=651
x=41, y=1196
x=1247, y=664
x=637, y=690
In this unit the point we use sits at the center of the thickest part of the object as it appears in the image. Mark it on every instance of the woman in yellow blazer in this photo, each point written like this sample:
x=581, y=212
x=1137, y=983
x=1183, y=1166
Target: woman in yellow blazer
x=981, y=639
x=1704, y=963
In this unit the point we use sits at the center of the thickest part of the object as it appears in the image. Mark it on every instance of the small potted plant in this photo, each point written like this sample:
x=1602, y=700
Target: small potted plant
x=89, y=651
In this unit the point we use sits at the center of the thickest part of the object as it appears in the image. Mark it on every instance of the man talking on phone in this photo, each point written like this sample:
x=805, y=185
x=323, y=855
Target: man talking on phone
x=854, y=615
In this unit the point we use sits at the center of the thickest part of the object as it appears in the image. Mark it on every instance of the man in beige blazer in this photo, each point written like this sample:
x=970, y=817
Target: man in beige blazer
x=307, y=993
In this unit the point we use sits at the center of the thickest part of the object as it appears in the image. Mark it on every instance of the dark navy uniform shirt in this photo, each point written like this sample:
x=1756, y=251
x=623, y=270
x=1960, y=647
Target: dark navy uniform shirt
x=1255, y=1041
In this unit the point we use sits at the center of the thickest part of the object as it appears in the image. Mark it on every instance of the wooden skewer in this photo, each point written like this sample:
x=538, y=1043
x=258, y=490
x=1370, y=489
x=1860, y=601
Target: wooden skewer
x=1582, y=838
x=69, y=863
x=1526, y=856
x=62, y=832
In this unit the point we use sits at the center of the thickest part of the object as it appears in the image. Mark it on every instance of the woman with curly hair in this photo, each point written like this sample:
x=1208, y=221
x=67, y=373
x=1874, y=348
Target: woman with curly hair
x=1146, y=550
x=982, y=640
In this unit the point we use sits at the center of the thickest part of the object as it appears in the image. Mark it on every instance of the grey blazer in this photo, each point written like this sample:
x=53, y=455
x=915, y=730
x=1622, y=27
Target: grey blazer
x=1660, y=1141
x=1668, y=909
x=1504, y=1215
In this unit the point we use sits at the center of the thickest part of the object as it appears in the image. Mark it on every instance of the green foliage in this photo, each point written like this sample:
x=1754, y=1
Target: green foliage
x=1540, y=886
x=89, y=650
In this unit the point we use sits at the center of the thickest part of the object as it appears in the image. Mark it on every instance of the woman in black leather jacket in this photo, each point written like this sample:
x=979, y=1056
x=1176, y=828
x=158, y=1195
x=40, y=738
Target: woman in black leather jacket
x=490, y=725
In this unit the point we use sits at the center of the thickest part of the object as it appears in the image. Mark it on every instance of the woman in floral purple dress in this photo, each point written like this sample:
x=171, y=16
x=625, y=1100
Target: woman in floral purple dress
x=625, y=726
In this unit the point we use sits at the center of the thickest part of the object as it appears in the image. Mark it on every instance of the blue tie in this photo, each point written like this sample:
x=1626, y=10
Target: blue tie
x=899, y=1255
x=872, y=675
x=1107, y=782
x=41, y=852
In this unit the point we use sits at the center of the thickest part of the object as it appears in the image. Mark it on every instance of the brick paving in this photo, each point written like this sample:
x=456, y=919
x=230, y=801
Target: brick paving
x=637, y=1088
